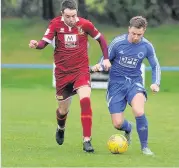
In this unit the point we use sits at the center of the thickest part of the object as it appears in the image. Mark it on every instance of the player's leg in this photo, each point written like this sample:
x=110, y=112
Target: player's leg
x=84, y=93
x=137, y=103
x=82, y=86
x=86, y=111
x=63, y=96
x=122, y=124
x=116, y=106
x=61, y=114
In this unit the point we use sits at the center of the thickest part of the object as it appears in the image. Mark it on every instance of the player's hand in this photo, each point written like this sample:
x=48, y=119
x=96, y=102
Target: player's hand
x=33, y=44
x=106, y=63
x=154, y=88
x=96, y=68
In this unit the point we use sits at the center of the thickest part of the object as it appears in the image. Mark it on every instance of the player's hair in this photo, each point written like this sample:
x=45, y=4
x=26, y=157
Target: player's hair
x=70, y=4
x=138, y=22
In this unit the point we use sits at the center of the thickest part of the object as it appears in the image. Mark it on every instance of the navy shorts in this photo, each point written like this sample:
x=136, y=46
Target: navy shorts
x=122, y=91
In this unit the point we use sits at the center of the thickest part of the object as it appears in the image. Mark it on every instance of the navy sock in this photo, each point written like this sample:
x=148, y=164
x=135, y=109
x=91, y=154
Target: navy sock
x=126, y=126
x=142, y=130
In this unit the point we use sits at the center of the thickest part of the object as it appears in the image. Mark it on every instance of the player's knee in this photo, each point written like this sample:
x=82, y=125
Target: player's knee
x=138, y=113
x=63, y=110
x=63, y=106
x=117, y=124
x=138, y=110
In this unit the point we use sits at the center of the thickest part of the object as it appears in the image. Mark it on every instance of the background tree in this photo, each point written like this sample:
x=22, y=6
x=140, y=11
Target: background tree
x=48, y=11
x=82, y=8
x=114, y=12
x=175, y=9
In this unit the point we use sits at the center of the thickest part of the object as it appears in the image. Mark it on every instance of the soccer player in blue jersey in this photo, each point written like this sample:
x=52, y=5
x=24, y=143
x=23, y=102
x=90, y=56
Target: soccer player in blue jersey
x=126, y=53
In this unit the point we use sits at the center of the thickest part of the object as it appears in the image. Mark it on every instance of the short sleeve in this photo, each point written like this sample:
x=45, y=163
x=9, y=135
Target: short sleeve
x=92, y=30
x=50, y=33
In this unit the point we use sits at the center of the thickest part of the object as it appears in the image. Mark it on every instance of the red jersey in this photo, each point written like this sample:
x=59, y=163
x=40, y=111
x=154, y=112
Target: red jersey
x=70, y=53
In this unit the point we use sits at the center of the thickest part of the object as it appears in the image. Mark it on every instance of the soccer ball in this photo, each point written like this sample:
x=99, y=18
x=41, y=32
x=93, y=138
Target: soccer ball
x=117, y=144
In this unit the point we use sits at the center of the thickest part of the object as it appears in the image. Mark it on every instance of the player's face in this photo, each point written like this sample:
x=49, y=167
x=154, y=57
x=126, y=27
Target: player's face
x=135, y=34
x=70, y=17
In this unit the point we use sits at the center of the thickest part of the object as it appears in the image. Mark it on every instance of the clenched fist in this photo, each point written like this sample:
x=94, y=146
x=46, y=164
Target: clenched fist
x=33, y=44
x=96, y=68
x=154, y=88
x=105, y=66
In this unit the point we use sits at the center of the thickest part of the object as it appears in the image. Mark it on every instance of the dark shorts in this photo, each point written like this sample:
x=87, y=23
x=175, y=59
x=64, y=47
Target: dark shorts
x=66, y=85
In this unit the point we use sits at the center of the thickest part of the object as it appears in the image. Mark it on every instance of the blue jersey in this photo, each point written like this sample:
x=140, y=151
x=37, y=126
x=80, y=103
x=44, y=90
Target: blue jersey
x=126, y=58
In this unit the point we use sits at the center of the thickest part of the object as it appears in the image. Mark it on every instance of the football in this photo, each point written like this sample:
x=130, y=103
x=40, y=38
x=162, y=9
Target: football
x=117, y=144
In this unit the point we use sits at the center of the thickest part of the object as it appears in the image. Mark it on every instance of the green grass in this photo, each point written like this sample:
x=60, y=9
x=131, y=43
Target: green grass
x=28, y=132
x=28, y=125
x=29, y=105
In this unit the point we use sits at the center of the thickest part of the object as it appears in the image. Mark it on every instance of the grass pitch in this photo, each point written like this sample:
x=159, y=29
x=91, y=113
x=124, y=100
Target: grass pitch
x=28, y=132
x=29, y=123
x=28, y=107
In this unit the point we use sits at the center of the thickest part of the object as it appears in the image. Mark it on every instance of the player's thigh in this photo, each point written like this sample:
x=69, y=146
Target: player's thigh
x=84, y=91
x=116, y=104
x=64, y=87
x=117, y=119
x=116, y=97
x=136, y=97
x=138, y=103
x=82, y=85
x=64, y=105
x=64, y=92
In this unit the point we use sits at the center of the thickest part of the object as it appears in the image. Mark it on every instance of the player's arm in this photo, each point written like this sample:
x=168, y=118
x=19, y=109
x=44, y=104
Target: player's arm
x=94, y=33
x=47, y=38
x=111, y=51
x=156, y=71
x=111, y=54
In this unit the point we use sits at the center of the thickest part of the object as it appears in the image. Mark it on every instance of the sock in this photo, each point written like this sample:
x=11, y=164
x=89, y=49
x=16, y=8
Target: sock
x=142, y=129
x=126, y=126
x=86, y=116
x=61, y=119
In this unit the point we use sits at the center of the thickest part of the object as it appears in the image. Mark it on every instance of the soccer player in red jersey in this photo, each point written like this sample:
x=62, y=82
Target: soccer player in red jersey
x=72, y=65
